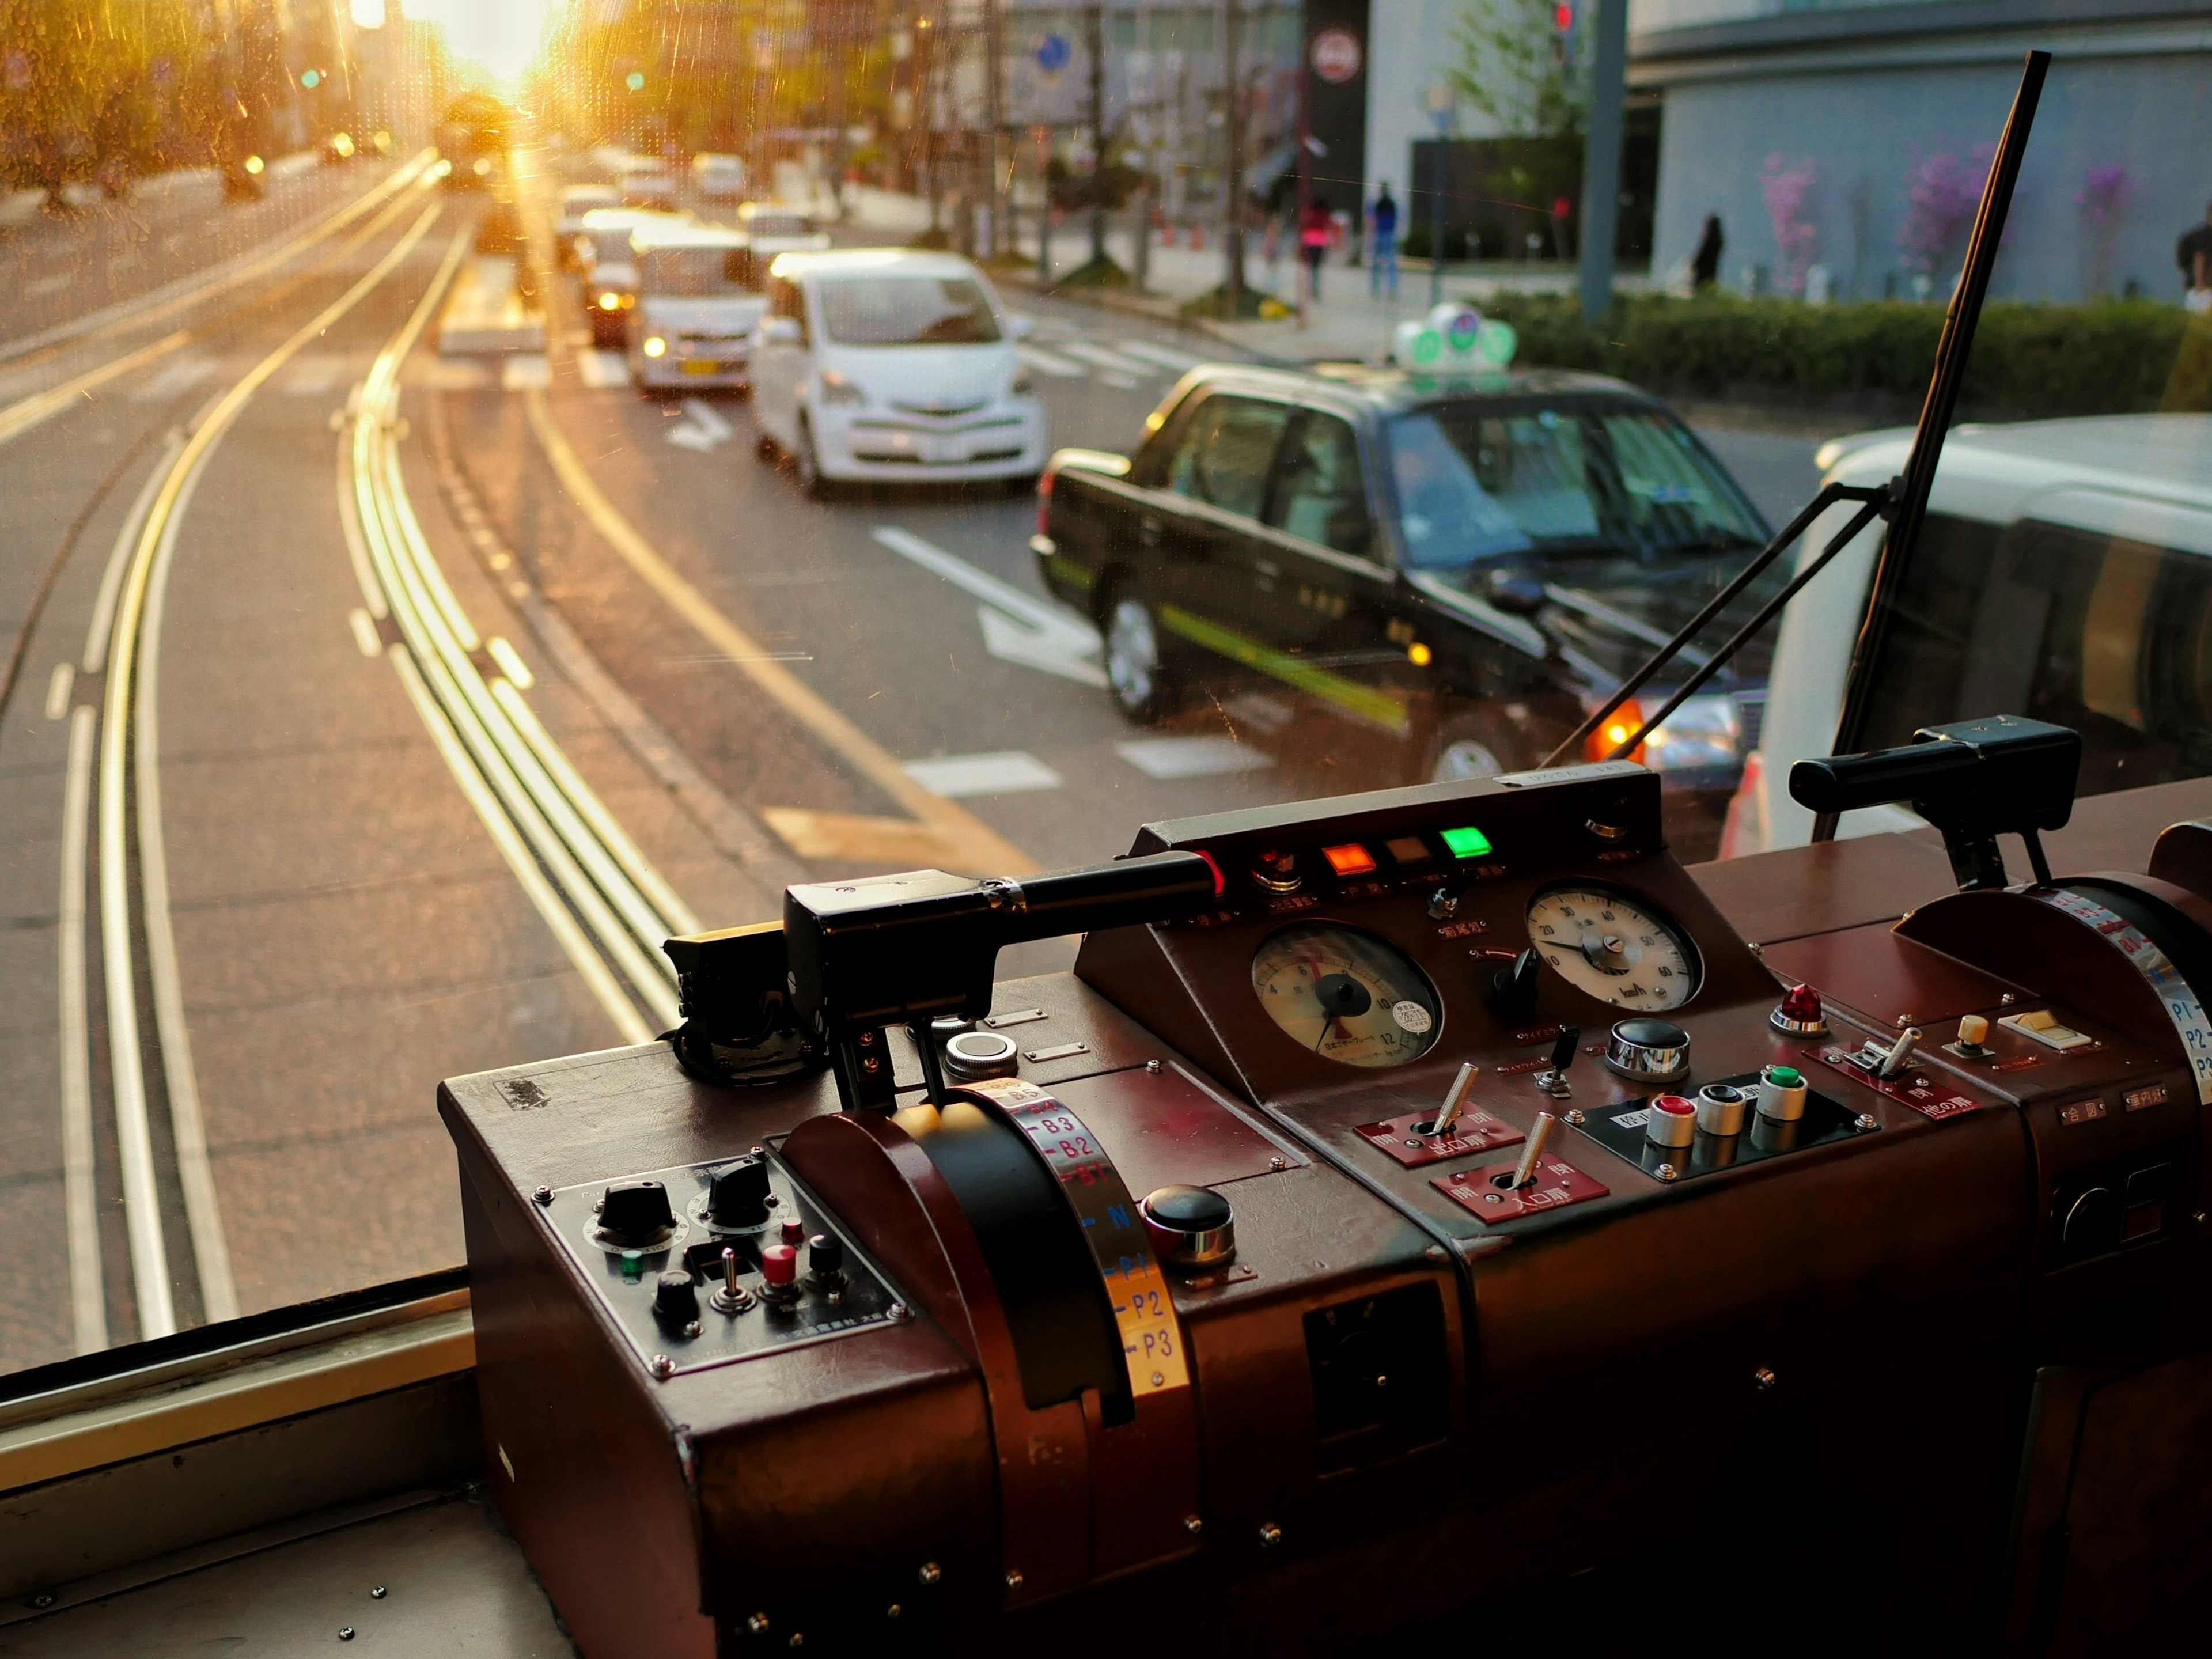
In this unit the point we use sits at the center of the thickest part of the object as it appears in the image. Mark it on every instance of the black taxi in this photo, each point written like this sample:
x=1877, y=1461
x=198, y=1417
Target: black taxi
x=1467, y=563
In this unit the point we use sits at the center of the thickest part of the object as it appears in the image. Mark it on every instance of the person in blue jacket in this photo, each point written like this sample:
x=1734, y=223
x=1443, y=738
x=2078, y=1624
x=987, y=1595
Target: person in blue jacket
x=1383, y=243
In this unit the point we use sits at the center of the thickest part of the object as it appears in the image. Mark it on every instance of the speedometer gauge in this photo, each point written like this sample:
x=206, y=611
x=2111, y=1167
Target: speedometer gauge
x=1346, y=995
x=1617, y=948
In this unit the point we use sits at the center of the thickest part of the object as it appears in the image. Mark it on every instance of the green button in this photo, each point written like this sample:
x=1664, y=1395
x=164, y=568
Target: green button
x=1466, y=841
x=1783, y=1077
x=632, y=1265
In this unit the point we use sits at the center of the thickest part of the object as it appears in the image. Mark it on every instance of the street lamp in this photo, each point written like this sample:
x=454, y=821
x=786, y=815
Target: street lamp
x=1441, y=102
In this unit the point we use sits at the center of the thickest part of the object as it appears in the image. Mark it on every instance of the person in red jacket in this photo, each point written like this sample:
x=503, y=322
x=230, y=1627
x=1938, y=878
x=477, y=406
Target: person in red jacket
x=1314, y=233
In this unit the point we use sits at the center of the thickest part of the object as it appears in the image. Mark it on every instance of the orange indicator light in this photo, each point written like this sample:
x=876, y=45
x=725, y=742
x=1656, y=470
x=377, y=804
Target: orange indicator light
x=1349, y=860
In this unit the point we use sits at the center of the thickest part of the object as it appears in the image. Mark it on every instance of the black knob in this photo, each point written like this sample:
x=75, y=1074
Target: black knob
x=825, y=1255
x=738, y=1195
x=1190, y=1226
x=634, y=1214
x=675, y=1298
x=1513, y=990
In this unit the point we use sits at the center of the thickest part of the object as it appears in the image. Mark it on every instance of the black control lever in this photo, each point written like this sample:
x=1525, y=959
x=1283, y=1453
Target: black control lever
x=1973, y=779
x=1513, y=990
x=903, y=950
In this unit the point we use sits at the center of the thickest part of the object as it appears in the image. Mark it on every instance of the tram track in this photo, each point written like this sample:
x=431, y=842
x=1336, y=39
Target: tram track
x=114, y=850
x=607, y=905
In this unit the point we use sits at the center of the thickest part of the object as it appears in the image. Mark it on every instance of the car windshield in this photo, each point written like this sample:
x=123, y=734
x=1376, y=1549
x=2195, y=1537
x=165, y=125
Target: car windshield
x=899, y=311
x=1475, y=482
x=762, y=225
x=693, y=272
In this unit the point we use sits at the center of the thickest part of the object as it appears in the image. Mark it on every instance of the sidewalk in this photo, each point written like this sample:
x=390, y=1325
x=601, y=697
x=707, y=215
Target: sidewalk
x=1348, y=324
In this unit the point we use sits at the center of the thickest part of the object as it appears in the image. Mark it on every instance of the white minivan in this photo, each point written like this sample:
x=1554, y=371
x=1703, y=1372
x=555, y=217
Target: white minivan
x=693, y=321
x=892, y=364
x=2064, y=573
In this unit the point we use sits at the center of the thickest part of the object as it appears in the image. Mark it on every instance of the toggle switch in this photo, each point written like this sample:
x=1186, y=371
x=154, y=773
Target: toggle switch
x=1553, y=1080
x=1672, y=1121
x=738, y=1194
x=1513, y=990
x=1540, y=1137
x=1899, y=1052
x=633, y=1215
x=2042, y=1026
x=730, y=1297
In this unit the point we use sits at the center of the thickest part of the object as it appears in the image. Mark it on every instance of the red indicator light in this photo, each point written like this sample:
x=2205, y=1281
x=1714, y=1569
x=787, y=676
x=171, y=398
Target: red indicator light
x=1220, y=881
x=1349, y=860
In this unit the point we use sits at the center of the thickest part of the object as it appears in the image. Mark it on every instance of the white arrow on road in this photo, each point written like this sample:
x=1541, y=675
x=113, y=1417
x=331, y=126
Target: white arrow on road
x=1017, y=626
x=703, y=431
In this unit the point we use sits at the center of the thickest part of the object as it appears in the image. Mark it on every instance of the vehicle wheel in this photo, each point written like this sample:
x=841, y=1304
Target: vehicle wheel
x=805, y=470
x=1138, y=677
x=764, y=449
x=1474, y=743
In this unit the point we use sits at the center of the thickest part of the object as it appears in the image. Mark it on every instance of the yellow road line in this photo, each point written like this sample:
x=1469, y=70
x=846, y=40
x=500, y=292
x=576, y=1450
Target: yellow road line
x=963, y=840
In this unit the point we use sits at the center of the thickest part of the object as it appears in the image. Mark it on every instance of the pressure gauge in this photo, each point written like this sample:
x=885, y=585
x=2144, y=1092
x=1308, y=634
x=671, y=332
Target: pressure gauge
x=1614, y=947
x=1346, y=995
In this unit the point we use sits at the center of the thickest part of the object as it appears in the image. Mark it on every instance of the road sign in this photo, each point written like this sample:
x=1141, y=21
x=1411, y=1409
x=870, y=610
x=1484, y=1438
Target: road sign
x=1335, y=56
x=1053, y=53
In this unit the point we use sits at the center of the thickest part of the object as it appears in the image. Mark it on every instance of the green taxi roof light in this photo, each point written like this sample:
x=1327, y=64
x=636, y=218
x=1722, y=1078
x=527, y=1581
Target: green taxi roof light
x=1466, y=841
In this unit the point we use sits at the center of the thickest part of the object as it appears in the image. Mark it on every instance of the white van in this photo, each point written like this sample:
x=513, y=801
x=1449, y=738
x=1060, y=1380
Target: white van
x=896, y=366
x=693, y=321
x=718, y=178
x=2064, y=573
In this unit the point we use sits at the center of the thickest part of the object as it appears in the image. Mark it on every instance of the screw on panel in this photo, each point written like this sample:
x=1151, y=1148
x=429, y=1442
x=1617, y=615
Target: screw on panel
x=931, y=1572
x=2007, y=999
x=345, y=1632
x=1866, y=1121
x=1667, y=1172
x=543, y=1195
x=901, y=1312
x=893, y=1611
x=1575, y=1118
x=1193, y=1525
x=1270, y=1534
x=758, y=1624
x=1152, y=1066
x=378, y=1594
x=45, y=1598
x=1013, y=1578
x=662, y=1366
x=1762, y=1379
x=1279, y=1162
x=1435, y=1252
x=798, y=1639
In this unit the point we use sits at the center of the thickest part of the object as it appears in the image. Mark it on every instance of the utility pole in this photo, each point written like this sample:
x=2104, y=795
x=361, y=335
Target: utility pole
x=1095, y=24
x=1232, y=230
x=994, y=93
x=1443, y=106
x=1306, y=272
x=1602, y=159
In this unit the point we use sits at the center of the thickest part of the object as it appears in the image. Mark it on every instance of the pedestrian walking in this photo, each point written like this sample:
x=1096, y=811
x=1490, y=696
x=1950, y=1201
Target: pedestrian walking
x=2193, y=253
x=1271, y=246
x=1705, y=263
x=1382, y=241
x=1313, y=235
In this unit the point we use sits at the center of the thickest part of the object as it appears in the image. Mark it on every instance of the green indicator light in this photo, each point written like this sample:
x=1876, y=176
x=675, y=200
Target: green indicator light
x=1467, y=842
x=1784, y=1077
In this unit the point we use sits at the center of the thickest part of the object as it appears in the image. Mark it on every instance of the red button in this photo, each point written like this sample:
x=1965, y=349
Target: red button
x=1677, y=1105
x=779, y=1264
x=794, y=1231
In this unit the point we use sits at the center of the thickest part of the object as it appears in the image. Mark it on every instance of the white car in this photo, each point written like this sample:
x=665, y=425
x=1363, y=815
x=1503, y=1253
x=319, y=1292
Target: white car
x=610, y=269
x=576, y=201
x=775, y=228
x=651, y=185
x=718, y=178
x=2063, y=573
x=892, y=364
x=694, y=321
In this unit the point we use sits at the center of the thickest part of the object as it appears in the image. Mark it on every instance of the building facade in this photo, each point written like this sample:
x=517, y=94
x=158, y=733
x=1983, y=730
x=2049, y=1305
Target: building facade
x=1853, y=137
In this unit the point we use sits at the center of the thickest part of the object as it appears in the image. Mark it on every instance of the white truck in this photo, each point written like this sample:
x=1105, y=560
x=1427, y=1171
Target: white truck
x=695, y=315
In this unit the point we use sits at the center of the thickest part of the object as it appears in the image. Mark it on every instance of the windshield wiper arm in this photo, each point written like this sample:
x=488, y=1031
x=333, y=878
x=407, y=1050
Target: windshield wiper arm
x=1876, y=499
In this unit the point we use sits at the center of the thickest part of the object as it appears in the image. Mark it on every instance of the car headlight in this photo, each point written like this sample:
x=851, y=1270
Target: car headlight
x=655, y=346
x=835, y=388
x=611, y=302
x=1702, y=732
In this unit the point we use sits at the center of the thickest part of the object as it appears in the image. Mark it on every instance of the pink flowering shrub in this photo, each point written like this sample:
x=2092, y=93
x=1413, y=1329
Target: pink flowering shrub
x=1940, y=194
x=2103, y=197
x=1786, y=190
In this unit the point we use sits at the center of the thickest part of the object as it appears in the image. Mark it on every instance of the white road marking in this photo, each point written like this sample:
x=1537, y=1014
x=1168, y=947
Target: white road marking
x=57, y=689
x=1017, y=626
x=80, y=1184
x=1119, y=382
x=1165, y=357
x=526, y=370
x=443, y=374
x=1258, y=709
x=1169, y=758
x=364, y=633
x=315, y=376
x=47, y=285
x=701, y=430
x=1003, y=772
x=510, y=663
x=1047, y=362
x=715, y=426
x=602, y=370
x=1113, y=361
x=175, y=379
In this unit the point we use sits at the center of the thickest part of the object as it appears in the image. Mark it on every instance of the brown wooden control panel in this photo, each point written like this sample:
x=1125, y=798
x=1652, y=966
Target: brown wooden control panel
x=1457, y=1162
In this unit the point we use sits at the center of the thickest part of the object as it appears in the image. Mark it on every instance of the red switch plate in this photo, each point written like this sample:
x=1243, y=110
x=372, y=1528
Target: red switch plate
x=1477, y=1131
x=1557, y=1184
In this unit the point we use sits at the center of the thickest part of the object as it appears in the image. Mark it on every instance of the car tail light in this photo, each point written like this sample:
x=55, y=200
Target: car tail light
x=1623, y=723
x=1044, y=500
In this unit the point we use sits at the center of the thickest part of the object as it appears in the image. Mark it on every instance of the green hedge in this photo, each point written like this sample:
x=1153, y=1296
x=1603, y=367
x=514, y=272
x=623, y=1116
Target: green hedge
x=2030, y=361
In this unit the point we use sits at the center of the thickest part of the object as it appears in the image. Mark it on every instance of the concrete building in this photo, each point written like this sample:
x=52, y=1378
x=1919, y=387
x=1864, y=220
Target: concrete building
x=1839, y=112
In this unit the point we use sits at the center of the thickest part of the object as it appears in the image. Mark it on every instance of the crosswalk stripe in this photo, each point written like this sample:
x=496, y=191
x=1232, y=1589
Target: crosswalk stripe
x=1045, y=362
x=525, y=371
x=1165, y=357
x=1112, y=360
x=601, y=370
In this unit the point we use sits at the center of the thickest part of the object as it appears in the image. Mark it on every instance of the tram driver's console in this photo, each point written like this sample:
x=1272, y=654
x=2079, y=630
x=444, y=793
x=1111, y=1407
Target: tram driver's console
x=1414, y=1204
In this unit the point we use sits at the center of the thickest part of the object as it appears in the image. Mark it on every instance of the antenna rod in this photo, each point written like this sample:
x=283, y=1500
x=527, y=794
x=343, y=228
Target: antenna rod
x=1952, y=351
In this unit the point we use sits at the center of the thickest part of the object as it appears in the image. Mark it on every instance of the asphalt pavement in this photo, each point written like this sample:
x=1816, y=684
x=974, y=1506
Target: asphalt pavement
x=372, y=715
